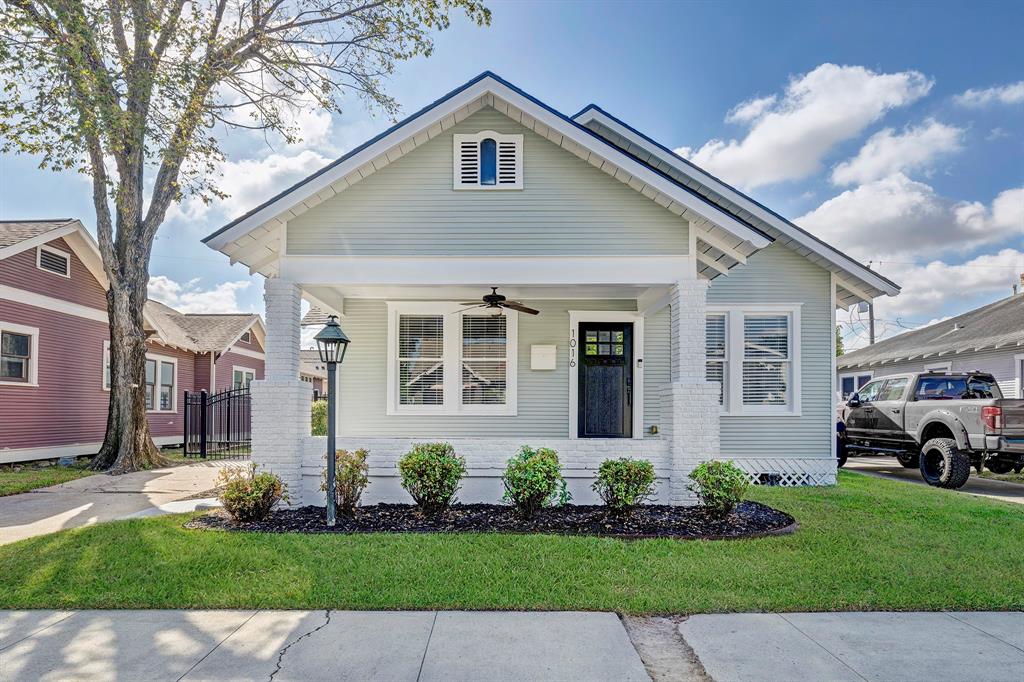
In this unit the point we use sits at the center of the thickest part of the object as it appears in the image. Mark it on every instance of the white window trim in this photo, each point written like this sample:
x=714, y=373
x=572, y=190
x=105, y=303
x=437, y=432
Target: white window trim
x=241, y=368
x=33, y=361
x=63, y=254
x=870, y=374
x=149, y=356
x=457, y=141
x=637, y=318
x=733, y=406
x=1018, y=371
x=452, y=404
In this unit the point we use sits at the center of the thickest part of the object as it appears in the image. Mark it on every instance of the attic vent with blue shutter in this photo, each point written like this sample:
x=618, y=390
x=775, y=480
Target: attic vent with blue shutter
x=488, y=160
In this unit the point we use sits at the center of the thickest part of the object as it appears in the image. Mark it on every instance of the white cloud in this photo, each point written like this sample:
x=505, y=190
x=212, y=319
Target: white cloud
x=192, y=298
x=927, y=289
x=745, y=112
x=887, y=152
x=250, y=182
x=1011, y=93
x=898, y=217
x=790, y=136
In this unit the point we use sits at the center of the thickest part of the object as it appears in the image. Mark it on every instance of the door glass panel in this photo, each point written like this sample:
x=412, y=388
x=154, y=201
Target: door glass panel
x=591, y=336
x=604, y=336
x=893, y=389
x=603, y=349
x=870, y=391
x=591, y=349
x=618, y=349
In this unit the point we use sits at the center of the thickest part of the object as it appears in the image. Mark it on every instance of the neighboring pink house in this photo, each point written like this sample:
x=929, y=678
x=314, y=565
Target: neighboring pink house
x=54, y=347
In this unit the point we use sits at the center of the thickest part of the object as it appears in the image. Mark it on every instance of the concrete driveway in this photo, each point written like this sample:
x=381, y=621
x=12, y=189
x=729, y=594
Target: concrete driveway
x=100, y=497
x=888, y=467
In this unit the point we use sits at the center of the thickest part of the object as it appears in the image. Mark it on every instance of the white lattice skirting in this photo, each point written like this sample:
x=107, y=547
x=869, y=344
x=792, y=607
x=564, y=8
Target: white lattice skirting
x=790, y=471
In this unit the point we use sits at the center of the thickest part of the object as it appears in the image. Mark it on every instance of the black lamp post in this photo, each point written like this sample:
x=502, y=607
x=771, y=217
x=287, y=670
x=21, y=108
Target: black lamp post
x=332, y=344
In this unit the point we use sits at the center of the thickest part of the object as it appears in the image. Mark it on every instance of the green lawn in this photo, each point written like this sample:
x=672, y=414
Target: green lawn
x=867, y=544
x=16, y=479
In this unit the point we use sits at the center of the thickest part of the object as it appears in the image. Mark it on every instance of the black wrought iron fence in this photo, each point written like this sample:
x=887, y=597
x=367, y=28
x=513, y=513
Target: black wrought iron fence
x=218, y=425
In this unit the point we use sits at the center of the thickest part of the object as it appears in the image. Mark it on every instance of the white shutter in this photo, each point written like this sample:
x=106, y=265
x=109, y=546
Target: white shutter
x=766, y=360
x=508, y=161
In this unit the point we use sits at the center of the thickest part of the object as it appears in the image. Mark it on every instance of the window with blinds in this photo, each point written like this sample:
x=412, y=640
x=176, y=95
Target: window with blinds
x=766, y=359
x=421, y=360
x=484, y=359
x=717, y=353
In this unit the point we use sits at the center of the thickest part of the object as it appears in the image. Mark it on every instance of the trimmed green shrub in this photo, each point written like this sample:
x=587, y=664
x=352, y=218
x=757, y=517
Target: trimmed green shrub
x=351, y=476
x=624, y=483
x=431, y=473
x=533, y=479
x=719, y=486
x=247, y=495
x=319, y=418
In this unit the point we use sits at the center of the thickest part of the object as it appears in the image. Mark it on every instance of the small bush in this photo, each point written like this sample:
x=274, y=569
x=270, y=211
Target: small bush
x=249, y=496
x=719, y=486
x=533, y=479
x=624, y=483
x=431, y=473
x=319, y=418
x=351, y=475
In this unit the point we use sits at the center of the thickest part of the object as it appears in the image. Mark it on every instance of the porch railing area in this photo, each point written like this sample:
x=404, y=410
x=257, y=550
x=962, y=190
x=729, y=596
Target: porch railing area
x=218, y=425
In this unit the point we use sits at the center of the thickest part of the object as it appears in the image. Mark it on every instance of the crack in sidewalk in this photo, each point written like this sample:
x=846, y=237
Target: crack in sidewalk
x=283, y=651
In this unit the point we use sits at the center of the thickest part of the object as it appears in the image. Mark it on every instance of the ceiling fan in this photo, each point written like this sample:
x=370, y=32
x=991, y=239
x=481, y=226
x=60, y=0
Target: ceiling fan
x=498, y=301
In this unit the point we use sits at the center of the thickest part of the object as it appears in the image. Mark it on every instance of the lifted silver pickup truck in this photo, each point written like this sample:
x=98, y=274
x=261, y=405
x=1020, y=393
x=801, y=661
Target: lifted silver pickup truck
x=942, y=422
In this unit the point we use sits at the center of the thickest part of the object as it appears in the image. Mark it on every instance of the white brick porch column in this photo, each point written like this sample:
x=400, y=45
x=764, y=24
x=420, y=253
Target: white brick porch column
x=689, y=403
x=281, y=402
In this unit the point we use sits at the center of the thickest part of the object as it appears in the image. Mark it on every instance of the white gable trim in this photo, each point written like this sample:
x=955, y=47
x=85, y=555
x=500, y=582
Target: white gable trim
x=834, y=257
x=430, y=122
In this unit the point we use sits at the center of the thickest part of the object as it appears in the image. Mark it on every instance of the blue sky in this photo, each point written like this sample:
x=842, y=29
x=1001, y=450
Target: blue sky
x=894, y=131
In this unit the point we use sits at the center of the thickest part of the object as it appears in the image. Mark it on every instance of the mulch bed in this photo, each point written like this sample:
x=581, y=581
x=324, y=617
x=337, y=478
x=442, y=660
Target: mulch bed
x=749, y=519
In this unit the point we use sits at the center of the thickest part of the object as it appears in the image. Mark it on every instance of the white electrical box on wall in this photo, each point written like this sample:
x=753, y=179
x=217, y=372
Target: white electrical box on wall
x=542, y=357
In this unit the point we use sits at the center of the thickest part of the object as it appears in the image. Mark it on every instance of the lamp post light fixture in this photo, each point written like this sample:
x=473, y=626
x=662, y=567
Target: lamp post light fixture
x=332, y=343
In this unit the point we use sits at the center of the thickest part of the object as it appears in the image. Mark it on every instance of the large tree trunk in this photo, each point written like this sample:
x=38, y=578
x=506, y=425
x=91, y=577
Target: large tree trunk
x=127, y=445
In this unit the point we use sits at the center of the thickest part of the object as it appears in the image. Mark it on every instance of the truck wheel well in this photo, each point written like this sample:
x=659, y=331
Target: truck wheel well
x=936, y=430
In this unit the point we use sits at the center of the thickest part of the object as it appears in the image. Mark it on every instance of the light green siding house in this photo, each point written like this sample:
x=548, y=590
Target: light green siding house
x=509, y=275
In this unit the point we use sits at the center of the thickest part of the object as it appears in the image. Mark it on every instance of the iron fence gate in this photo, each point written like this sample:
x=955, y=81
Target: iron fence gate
x=218, y=425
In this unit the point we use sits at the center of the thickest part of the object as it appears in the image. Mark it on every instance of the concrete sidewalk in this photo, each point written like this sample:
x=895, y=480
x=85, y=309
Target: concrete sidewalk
x=932, y=647
x=888, y=467
x=100, y=497
x=315, y=645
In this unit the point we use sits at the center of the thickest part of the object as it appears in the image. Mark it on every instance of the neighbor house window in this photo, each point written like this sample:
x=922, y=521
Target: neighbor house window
x=488, y=160
x=160, y=380
x=717, y=351
x=446, y=361
x=241, y=377
x=18, y=354
x=754, y=354
x=851, y=383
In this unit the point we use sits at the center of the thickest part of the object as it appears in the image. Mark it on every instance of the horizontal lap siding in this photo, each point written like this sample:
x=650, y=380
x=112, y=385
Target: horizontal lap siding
x=543, y=394
x=173, y=423
x=777, y=275
x=20, y=271
x=567, y=207
x=201, y=372
x=226, y=364
x=1000, y=363
x=69, y=406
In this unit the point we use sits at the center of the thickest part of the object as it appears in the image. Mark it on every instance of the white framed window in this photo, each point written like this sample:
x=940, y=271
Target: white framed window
x=246, y=337
x=488, y=160
x=717, y=351
x=53, y=260
x=19, y=355
x=241, y=377
x=851, y=382
x=756, y=352
x=443, y=360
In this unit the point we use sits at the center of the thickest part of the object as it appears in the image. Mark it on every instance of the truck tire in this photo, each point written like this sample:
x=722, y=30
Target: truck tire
x=909, y=460
x=942, y=465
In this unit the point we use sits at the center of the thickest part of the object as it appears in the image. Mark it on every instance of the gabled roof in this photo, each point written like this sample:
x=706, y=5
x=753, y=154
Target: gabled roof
x=996, y=325
x=254, y=238
x=201, y=333
x=310, y=365
x=857, y=282
x=17, y=236
x=13, y=232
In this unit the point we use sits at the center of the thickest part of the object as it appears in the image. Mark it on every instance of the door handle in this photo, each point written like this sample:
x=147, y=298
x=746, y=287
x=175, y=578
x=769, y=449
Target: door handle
x=896, y=410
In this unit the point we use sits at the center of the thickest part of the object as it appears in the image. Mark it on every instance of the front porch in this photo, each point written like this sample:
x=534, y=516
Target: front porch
x=616, y=351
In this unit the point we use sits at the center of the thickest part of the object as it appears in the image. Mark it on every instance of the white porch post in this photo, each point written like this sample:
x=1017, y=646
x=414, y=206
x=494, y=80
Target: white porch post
x=689, y=402
x=281, y=402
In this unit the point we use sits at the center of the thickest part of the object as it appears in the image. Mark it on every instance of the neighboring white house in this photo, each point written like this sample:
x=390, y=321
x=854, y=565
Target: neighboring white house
x=989, y=339
x=679, y=320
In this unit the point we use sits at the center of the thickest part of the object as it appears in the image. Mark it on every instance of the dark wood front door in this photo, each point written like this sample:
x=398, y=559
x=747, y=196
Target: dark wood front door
x=606, y=380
